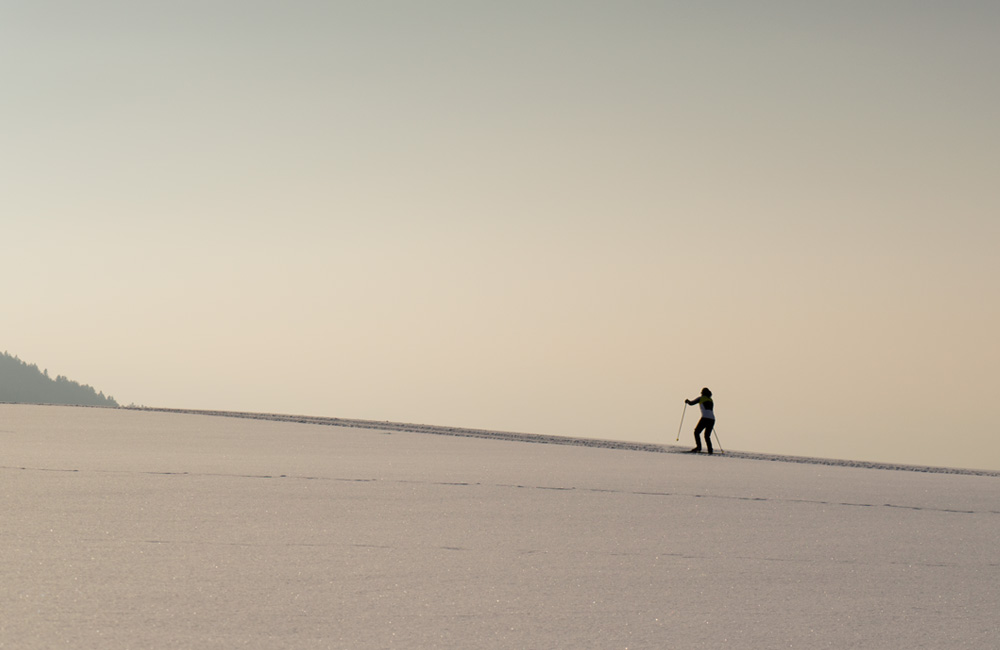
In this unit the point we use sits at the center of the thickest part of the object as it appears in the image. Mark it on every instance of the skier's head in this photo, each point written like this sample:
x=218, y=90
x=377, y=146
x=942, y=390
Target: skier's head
x=706, y=392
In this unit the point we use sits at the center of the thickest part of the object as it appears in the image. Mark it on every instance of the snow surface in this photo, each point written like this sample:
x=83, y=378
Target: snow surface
x=142, y=529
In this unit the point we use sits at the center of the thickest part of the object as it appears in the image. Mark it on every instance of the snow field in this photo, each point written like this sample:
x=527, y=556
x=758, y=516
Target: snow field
x=163, y=530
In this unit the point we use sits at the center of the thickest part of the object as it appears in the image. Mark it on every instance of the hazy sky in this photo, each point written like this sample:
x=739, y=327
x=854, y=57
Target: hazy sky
x=551, y=217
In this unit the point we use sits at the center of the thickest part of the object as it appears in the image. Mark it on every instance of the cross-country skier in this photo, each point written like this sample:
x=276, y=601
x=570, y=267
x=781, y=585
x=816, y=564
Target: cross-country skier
x=707, y=421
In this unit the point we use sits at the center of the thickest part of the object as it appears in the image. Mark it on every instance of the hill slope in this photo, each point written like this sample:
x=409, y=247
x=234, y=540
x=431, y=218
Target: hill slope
x=25, y=384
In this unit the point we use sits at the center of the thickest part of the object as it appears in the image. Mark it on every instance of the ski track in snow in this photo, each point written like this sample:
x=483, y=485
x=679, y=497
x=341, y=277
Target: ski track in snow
x=555, y=488
x=564, y=440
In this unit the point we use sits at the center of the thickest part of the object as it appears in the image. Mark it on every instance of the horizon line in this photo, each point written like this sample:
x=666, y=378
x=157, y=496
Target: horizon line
x=537, y=438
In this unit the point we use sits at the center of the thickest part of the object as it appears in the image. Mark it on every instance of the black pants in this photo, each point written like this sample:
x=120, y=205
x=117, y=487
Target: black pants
x=706, y=425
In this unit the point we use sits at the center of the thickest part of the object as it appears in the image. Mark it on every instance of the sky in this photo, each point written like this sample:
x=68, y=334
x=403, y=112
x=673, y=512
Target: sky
x=546, y=217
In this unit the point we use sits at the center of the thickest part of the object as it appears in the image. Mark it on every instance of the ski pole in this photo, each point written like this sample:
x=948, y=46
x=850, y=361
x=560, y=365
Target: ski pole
x=681, y=425
x=716, y=432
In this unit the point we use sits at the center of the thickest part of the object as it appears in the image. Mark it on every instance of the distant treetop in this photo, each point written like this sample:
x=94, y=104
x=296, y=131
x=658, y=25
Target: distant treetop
x=21, y=383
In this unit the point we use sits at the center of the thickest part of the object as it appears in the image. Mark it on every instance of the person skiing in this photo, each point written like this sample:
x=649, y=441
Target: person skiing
x=707, y=421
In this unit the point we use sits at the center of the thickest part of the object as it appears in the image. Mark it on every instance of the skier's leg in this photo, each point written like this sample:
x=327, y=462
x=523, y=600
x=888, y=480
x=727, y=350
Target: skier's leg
x=697, y=434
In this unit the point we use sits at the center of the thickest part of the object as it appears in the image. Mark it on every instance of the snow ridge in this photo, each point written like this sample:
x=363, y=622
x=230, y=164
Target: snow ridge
x=562, y=440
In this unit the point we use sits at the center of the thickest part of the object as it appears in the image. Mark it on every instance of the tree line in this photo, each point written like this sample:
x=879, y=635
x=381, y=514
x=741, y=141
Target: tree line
x=21, y=383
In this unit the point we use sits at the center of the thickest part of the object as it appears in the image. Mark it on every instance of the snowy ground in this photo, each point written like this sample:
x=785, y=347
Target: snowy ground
x=135, y=529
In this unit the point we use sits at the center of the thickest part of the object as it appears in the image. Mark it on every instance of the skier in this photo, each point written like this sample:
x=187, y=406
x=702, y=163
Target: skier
x=707, y=421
